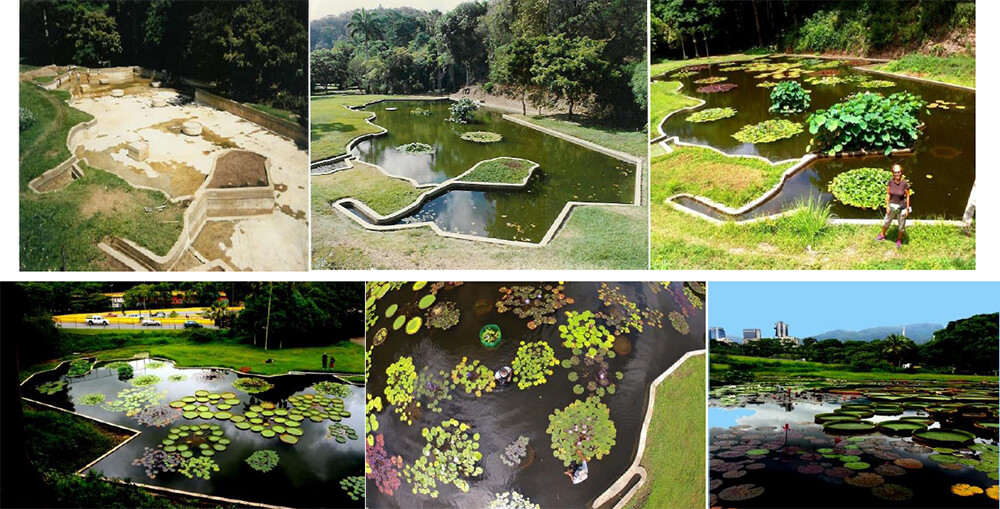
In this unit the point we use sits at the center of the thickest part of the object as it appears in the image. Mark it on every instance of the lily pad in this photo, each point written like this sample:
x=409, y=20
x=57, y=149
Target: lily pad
x=945, y=437
x=414, y=325
x=398, y=323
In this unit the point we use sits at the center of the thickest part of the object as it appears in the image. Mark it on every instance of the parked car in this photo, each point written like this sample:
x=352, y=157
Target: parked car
x=159, y=314
x=97, y=320
x=191, y=324
x=149, y=322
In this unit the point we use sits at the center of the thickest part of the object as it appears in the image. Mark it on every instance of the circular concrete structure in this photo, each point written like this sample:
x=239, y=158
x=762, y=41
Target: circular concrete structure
x=191, y=128
x=117, y=93
x=158, y=102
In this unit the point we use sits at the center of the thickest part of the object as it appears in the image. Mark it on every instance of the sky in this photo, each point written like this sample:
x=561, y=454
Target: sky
x=813, y=308
x=320, y=8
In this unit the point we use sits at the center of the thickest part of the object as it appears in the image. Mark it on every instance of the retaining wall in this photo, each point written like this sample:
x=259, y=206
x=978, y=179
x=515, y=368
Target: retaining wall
x=274, y=124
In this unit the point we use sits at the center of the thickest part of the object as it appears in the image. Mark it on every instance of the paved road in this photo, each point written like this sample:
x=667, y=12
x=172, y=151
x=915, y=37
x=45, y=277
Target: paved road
x=123, y=326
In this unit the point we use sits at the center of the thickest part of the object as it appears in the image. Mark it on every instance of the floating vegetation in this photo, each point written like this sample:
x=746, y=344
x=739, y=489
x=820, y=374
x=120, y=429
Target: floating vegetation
x=768, y=84
x=50, y=388
x=131, y=401
x=537, y=303
x=867, y=121
x=92, y=399
x=413, y=325
x=380, y=336
x=714, y=89
x=683, y=74
x=741, y=492
x=416, y=148
x=945, y=436
x=79, y=367
x=692, y=298
x=711, y=115
x=433, y=389
x=993, y=492
x=155, y=365
x=490, y=335
x=205, y=439
x=584, y=426
x=533, y=363
x=863, y=188
x=908, y=463
x=481, y=137
x=341, y=433
x=679, y=322
x=354, y=486
x=514, y=453
x=826, y=80
x=512, y=500
x=118, y=365
x=443, y=315
x=158, y=461
x=619, y=313
x=158, y=415
x=145, y=381
x=200, y=466
x=893, y=492
x=400, y=379
x=941, y=104
x=420, y=112
x=698, y=67
x=263, y=461
x=473, y=377
x=176, y=378
x=207, y=405
x=582, y=332
x=768, y=131
x=876, y=83
x=865, y=480
x=591, y=373
x=252, y=385
x=450, y=456
x=966, y=490
x=789, y=97
x=332, y=388
x=382, y=467
x=711, y=80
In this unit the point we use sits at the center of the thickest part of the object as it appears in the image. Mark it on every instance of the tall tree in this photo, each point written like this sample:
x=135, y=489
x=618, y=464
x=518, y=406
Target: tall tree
x=898, y=348
x=366, y=27
x=569, y=67
x=463, y=35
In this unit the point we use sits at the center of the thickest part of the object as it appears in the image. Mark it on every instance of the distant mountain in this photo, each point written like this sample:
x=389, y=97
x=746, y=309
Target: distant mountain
x=920, y=333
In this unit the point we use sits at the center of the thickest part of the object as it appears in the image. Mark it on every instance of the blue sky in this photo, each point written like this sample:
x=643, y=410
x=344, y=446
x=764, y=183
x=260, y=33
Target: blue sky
x=813, y=308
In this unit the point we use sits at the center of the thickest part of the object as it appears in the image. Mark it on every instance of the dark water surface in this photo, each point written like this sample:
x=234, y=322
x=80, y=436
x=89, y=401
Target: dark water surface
x=308, y=473
x=567, y=172
x=504, y=414
x=946, y=151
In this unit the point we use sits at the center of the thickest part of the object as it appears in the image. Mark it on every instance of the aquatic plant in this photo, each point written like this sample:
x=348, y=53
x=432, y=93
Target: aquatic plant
x=443, y=315
x=341, y=432
x=473, y=377
x=155, y=365
x=50, y=388
x=420, y=112
x=373, y=405
x=512, y=500
x=620, y=314
x=92, y=399
x=863, y=188
x=893, y=492
x=966, y=490
x=462, y=110
x=490, y=335
x=332, y=388
x=117, y=365
x=354, y=486
x=741, y=492
x=381, y=467
x=941, y=104
x=205, y=439
x=714, y=89
x=825, y=80
x=413, y=325
x=199, y=466
x=416, y=148
x=585, y=426
x=679, y=322
x=711, y=80
x=157, y=461
x=789, y=97
x=380, y=336
x=581, y=331
x=698, y=67
x=399, y=384
x=867, y=121
x=433, y=389
x=768, y=84
x=177, y=378
x=876, y=84
x=591, y=372
x=145, y=381
x=263, y=461
x=125, y=372
x=683, y=74
x=533, y=363
x=207, y=375
x=768, y=131
x=252, y=385
x=514, y=453
x=693, y=299
x=481, y=137
x=79, y=367
x=450, y=456
x=158, y=415
x=131, y=401
x=711, y=114
x=537, y=303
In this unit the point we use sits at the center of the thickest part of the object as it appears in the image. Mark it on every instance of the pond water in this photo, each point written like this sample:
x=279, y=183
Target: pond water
x=308, y=473
x=754, y=462
x=567, y=172
x=941, y=170
x=501, y=416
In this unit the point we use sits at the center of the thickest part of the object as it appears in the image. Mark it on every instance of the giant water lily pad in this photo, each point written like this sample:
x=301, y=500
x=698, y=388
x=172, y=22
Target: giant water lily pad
x=945, y=437
x=414, y=325
x=741, y=492
x=849, y=427
x=901, y=427
x=893, y=492
x=398, y=322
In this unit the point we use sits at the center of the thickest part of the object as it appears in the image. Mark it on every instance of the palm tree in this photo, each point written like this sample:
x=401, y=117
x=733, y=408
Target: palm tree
x=366, y=27
x=898, y=347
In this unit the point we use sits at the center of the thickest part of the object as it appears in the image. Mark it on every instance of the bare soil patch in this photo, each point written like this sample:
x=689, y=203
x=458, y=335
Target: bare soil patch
x=239, y=168
x=106, y=201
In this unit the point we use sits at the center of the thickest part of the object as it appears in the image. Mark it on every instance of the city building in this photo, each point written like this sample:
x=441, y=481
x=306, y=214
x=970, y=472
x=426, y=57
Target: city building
x=716, y=333
x=781, y=330
x=751, y=334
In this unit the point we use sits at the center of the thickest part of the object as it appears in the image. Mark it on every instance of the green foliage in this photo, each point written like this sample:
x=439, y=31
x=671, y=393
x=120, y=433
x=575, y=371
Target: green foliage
x=416, y=148
x=420, y=112
x=125, y=372
x=155, y=365
x=969, y=345
x=199, y=466
x=79, y=367
x=867, y=121
x=462, y=110
x=511, y=500
x=482, y=137
x=263, y=461
x=26, y=119
x=399, y=385
x=503, y=170
x=451, y=456
x=533, y=363
x=582, y=332
x=145, y=381
x=768, y=131
x=876, y=83
x=49, y=435
x=863, y=187
x=473, y=377
x=354, y=486
x=50, y=388
x=711, y=114
x=443, y=315
x=825, y=31
x=92, y=399
x=569, y=67
x=251, y=385
x=332, y=388
x=585, y=426
x=789, y=97
x=177, y=378
x=117, y=365
x=711, y=80
x=679, y=323
x=132, y=401
x=809, y=220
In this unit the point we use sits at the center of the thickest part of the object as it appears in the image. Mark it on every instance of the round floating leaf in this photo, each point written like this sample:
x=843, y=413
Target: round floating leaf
x=191, y=415
x=398, y=323
x=288, y=439
x=413, y=325
x=267, y=433
x=426, y=301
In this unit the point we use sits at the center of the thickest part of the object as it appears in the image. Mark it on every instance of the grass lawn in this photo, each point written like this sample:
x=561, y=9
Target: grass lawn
x=665, y=99
x=665, y=66
x=505, y=170
x=43, y=145
x=61, y=229
x=630, y=142
x=333, y=126
x=365, y=183
x=49, y=434
x=958, y=70
x=45, y=79
x=732, y=181
x=764, y=368
x=674, y=457
x=277, y=112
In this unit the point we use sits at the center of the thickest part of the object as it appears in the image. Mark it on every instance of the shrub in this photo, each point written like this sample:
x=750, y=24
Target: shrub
x=867, y=121
x=201, y=335
x=863, y=187
x=125, y=372
x=26, y=119
x=462, y=110
x=789, y=97
x=809, y=219
x=488, y=87
x=79, y=367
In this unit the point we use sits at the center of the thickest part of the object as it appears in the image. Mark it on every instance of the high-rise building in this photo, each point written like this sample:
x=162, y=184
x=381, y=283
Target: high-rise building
x=781, y=330
x=751, y=334
x=716, y=333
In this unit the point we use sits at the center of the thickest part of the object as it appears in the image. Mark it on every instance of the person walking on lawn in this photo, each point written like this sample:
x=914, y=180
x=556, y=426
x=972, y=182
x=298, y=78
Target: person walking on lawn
x=897, y=204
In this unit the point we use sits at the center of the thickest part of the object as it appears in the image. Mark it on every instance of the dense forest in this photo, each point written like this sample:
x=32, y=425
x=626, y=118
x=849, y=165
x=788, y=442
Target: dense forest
x=541, y=52
x=969, y=345
x=254, y=50
x=692, y=28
